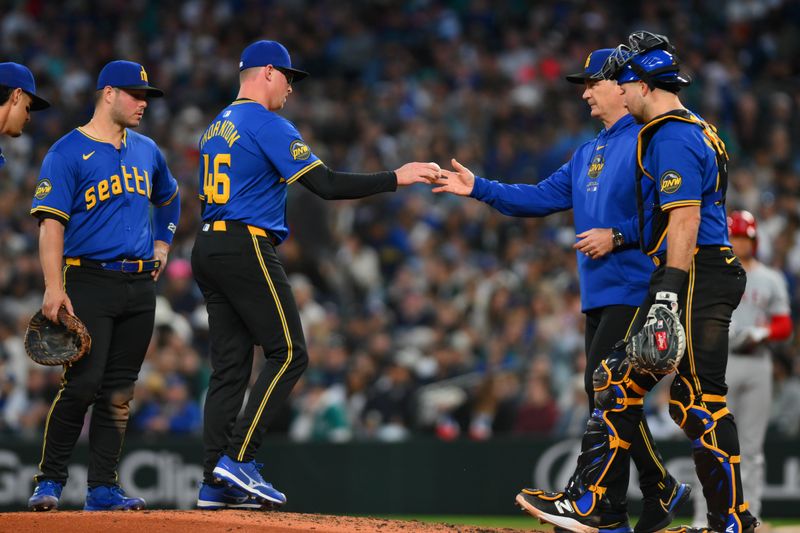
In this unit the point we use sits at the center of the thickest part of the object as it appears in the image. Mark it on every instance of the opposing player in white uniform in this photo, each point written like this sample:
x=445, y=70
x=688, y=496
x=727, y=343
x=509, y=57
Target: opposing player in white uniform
x=762, y=317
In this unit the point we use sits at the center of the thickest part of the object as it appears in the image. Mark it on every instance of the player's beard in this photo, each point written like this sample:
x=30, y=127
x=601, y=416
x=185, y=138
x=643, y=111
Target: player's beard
x=131, y=120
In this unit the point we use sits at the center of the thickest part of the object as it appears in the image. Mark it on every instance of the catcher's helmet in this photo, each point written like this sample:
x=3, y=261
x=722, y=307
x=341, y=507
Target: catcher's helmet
x=655, y=67
x=648, y=57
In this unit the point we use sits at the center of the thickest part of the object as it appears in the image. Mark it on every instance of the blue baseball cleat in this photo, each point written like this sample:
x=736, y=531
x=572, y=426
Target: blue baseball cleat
x=658, y=511
x=45, y=496
x=111, y=498
x=214, y=497
x=247, y=477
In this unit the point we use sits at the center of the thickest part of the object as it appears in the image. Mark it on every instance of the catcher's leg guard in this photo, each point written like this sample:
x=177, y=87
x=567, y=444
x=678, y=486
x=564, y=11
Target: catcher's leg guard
x=707, y=422
x=602, y=445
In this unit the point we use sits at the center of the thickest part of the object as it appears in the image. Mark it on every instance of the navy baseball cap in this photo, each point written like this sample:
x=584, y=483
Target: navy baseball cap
x=262, y=53
x=20, y=77
x=126, y=75
x=594, y=62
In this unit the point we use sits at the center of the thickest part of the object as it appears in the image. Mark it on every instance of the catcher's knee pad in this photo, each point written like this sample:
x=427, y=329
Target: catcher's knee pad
x=613, y=388
x=694, y=418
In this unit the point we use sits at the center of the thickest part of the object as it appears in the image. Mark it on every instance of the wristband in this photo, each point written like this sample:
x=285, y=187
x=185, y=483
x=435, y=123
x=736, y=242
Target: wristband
x=673, y=281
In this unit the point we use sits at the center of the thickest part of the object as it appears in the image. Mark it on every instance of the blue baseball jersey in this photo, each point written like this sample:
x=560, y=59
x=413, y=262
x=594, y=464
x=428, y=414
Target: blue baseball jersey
x=2, y=158
x=598, y=183
x=248, y=156
x=103, y=195
x=681, y=161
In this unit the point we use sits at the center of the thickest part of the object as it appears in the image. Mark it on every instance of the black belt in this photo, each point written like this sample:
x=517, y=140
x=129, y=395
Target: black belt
x=234, y=226
x=130, y=266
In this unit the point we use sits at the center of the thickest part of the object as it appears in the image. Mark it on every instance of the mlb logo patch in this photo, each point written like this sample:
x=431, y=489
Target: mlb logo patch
x=206, y=227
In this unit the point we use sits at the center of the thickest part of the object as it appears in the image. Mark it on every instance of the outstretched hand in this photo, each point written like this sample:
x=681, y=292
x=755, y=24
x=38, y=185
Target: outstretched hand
x=417, y=173
x=460, y=182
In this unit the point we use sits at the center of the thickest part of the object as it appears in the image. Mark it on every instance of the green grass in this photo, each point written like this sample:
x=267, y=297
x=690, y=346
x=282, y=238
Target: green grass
x=527, y=522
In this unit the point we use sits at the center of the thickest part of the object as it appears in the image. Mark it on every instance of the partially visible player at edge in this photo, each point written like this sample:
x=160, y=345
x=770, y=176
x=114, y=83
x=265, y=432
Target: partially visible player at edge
x=248, y=157
x=17, y=99
x=101, y=253
x=597, y=183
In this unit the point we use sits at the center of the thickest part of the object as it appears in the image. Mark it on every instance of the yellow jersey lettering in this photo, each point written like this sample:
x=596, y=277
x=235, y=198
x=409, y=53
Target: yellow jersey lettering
x=91, y=199
x=116, y=185
x=127, y=175
x=147, y=183
x=225, y=129
x=139, y=180
x=102, y=191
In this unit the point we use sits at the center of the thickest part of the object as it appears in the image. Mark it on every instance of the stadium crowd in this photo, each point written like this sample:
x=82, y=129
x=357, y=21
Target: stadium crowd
x=423, y=314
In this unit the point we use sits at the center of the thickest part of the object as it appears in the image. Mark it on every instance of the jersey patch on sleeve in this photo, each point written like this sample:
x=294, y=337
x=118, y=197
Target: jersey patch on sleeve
x=299, y=150
x=43, y=188
x=670, y=181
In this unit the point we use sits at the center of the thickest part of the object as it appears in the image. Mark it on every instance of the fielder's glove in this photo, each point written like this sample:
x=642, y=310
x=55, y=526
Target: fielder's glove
x=53, y=344
x=659, y=346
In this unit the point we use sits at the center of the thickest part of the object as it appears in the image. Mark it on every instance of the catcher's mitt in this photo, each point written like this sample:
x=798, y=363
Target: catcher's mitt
x=53, y=344
x=660, y=344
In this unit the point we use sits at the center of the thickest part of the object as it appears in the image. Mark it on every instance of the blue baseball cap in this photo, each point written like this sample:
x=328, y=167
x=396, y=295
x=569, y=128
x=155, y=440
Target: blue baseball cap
x=262, y=53
x=20, y=77
x=594, y=62
x=126, y=75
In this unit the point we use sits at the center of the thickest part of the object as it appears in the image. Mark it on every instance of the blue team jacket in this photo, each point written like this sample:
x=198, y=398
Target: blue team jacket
x=599, y=184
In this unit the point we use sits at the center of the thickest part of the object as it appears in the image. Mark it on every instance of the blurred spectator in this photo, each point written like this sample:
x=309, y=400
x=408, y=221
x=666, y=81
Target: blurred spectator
x=538, y=412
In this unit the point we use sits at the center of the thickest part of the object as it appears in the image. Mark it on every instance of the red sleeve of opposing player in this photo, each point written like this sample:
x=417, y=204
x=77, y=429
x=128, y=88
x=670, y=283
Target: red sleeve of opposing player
x=780, y=328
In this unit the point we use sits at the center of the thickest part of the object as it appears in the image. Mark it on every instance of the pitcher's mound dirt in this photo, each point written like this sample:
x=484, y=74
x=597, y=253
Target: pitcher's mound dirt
x=214, y=522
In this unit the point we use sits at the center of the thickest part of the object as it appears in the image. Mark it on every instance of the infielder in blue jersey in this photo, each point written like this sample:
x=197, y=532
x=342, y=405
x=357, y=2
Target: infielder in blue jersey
x=249, y=156
x=17, y=99
x=681, y=179
x=597, y=183
x=101, y=251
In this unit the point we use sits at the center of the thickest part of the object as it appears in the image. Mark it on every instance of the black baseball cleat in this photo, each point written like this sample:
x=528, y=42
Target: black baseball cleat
x=747, y=524
x=658, y=510
x=557, y=509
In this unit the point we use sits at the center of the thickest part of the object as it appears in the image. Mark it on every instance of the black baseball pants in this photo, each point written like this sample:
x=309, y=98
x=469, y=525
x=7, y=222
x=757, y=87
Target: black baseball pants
x=605, y=326
x=118, y=310
x=249, y=302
